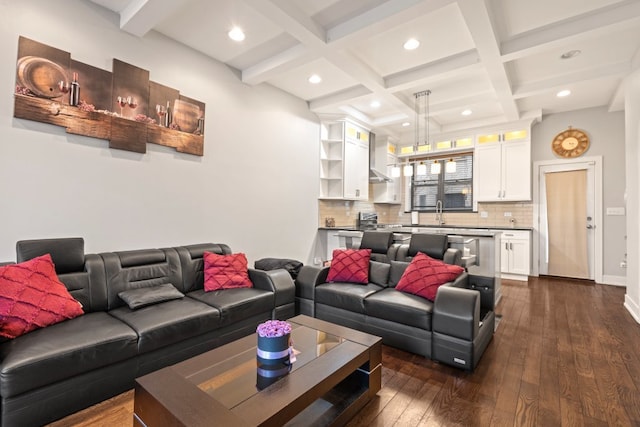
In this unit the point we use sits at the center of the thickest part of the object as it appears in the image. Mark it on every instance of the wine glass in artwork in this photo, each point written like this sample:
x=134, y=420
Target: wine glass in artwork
x=161, y=111
x=122, y=102
x=133, y=102
x=63, y=86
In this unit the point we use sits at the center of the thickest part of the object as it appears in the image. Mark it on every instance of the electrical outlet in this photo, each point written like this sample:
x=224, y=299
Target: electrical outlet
x=317, y=260
x=484, y=214
x=507, y=214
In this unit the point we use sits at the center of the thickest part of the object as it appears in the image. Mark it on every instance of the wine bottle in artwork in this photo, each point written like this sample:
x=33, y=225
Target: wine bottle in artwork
x=168, y=118
x=74, y=91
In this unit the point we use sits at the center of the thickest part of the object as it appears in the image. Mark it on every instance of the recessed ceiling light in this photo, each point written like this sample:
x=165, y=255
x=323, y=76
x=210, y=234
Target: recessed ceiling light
x=315, y=79
x=405, y=124
x=411, y=44
x=375, y=104
x=563, y=93
x=570, y=54
x=467, y=112
x=236, y=34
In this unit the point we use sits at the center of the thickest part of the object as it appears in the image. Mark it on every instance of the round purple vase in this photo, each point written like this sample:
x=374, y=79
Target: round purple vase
x=273, y=350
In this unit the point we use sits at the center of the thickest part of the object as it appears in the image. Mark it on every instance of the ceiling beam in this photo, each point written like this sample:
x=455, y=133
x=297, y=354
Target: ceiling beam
x=440, y=69
x=276, y=64
x=140, y=16
x=619, y=69
x=338, y=98
x=389, y=14
x=476, y=15
x=616, y=17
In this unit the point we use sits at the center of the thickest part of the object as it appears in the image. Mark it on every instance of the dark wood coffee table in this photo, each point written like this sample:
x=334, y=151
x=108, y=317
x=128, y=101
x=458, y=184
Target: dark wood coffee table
x=336, y=373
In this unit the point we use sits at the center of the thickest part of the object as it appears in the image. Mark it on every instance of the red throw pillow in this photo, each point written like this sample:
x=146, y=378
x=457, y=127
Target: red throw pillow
x=225, y=271
x=32, y=297
x=350, y=265
x=425, y=275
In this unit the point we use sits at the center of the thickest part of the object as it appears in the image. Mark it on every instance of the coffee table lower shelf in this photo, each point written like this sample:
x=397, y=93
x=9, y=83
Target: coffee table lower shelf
x=325, y=389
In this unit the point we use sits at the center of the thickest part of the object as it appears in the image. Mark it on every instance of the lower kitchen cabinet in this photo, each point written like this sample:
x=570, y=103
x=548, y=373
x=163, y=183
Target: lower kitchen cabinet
x=515, y=254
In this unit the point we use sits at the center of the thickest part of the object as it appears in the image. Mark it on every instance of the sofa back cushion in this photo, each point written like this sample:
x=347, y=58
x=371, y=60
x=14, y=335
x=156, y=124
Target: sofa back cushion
x=191, y=261
x=379, y=273
x=434, y=245
x=396, y=271
x=67, y=253
x=139, y=269
x=83, y=275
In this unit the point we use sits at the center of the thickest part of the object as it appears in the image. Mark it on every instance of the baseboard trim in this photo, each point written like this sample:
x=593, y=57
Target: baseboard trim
x=632, y=308
x=614, y=280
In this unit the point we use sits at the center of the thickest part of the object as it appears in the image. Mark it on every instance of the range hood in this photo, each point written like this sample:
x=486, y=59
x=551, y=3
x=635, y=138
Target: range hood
x=377, y=161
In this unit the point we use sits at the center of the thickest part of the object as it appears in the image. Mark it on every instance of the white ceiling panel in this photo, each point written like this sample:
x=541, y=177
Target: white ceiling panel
x=442, y=33
x=296, y=81
x=204, y=24
x=613, y=48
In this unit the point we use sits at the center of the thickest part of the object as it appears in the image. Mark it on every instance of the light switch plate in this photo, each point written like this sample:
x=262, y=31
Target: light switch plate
x=507, y=214
x=616, y=211
x=484, y=214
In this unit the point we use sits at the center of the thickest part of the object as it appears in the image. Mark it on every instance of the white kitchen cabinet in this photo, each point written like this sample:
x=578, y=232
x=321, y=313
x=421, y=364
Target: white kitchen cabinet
x=515, y=254
x=388, y=192
x=344, y=161
x=502, y=165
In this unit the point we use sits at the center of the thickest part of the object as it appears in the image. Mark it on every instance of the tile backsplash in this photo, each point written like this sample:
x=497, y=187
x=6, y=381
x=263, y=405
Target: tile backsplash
x=345, y=213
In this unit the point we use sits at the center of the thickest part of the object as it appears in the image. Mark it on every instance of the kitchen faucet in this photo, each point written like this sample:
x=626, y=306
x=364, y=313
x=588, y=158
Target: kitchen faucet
x=439, y=215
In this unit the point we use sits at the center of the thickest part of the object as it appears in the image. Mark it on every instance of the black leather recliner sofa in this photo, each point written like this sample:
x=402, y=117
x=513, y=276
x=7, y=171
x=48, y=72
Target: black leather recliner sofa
x=454, y=329
x=49, y=373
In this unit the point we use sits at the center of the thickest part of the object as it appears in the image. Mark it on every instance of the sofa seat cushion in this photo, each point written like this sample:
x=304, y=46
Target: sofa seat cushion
x=167, y=323
x=64, y=350
x=348, y=296
x=236, y=304
x=400, y=307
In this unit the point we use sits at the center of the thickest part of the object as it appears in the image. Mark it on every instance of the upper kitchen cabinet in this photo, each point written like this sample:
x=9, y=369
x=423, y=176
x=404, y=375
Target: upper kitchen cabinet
x=502, y=164
x=344, y=161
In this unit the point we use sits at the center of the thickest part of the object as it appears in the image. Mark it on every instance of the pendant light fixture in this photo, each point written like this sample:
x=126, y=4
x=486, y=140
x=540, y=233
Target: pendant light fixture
x=421, y=138
x=450, y=167
x=421, y=169
x=395, y=171
x=408, y=170
x=435, y=167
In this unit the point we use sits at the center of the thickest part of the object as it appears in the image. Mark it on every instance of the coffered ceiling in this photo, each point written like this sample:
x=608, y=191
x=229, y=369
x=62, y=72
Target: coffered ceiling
x=501, y=59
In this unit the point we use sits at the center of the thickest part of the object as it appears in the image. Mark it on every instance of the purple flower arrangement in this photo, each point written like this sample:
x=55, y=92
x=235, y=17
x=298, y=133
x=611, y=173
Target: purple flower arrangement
x=273, y=328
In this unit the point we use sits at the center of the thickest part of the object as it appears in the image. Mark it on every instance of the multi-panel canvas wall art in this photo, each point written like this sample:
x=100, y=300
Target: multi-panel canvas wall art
x=122, y=106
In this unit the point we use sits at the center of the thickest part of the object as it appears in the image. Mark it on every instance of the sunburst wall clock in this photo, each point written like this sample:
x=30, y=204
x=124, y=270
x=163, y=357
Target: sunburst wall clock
x=570, y=143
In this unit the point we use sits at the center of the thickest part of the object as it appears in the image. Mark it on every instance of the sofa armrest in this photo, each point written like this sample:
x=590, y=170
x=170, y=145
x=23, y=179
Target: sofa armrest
x=452, y=256
x=456, y=312
x=486, y=286
x=307, y=280
x=402, y=252
x=277, y=281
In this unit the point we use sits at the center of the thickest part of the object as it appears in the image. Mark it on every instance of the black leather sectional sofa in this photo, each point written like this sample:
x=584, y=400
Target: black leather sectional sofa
x=52, y=372
x=454, y=329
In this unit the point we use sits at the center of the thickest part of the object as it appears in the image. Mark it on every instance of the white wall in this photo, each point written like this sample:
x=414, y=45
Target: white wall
x=632, y=126
x=607, y=139
x=255, y=188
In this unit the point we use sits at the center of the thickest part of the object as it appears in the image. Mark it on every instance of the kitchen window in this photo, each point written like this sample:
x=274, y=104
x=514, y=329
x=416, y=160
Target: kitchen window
x=453, y=188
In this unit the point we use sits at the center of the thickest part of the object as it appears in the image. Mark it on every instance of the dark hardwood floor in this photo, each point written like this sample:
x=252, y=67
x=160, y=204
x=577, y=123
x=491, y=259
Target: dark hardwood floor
x=565, y=354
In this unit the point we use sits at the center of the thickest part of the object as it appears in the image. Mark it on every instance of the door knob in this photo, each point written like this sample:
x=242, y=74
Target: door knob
x=589, y=226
